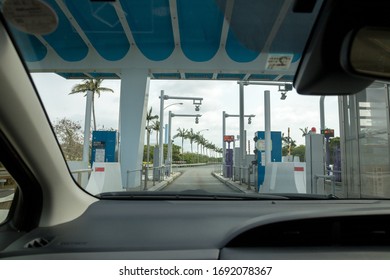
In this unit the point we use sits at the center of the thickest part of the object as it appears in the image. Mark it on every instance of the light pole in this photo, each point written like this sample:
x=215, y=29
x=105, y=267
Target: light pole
x=224, y=116
x=161, y=130
x=283, y=87
x=171, y=115
x=177, y=103
x=197, y=101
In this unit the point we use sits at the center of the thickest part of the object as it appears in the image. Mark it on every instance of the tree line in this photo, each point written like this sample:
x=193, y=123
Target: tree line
x=207, y=148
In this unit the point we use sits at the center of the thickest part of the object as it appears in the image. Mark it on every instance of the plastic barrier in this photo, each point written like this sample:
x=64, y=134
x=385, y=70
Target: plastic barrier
x=105, y=177
x=284, y=177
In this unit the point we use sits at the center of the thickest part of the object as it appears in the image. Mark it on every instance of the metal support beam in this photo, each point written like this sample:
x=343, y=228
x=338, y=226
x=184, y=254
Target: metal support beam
x=223, y=142
x=265, y=83
x=87, y=126
x=166, y=97
x=267, y=125
x=242, y=143
x=322, y=112
x=246, y=116
x=161, y=144
x=169, y=155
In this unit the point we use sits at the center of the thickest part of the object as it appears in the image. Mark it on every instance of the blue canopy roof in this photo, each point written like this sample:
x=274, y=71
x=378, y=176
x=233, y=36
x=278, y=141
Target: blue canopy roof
x=177, y=39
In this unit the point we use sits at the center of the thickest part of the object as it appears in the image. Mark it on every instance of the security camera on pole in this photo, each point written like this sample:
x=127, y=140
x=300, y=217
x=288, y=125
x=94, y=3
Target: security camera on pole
x=197, y=101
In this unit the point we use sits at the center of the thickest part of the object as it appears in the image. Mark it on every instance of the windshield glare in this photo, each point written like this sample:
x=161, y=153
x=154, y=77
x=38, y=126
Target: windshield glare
x=143, y=102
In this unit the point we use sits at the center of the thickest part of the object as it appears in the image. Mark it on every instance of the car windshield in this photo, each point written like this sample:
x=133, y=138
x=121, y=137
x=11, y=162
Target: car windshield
x=195, y=99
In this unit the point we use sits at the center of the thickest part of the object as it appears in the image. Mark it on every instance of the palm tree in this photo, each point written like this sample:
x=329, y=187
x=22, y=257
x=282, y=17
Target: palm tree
x=305, y=131
x=289, y=143
x=93, y=85
x=192, y=137
x=156, y=127
x=197, y=141
x=204, y=146
x=149, y=117
x=211, y=147
x=181, y=132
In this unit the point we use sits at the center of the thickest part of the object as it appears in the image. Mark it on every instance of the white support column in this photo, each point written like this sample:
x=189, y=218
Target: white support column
x=267, y=118
x=132, y=114
x=161, y=144
x=223, y=142
x=242, y=140
x=169, y=155
x=322, y=112
x=87, y=127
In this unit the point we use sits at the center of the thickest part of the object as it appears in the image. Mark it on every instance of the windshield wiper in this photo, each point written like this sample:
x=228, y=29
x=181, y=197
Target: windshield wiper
x=304, y=196
x=204, y=195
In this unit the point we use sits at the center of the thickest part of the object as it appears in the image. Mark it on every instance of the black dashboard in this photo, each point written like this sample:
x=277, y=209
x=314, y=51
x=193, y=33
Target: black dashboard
x=194, y=229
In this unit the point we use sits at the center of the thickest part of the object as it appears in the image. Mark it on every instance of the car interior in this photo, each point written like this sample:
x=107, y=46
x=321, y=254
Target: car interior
x=345, y=50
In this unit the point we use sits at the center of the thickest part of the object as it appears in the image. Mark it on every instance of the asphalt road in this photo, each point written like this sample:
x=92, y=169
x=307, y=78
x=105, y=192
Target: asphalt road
x=198, y=178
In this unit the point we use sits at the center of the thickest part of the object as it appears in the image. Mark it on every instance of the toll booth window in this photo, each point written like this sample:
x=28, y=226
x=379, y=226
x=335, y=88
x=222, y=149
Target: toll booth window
x=7, y=191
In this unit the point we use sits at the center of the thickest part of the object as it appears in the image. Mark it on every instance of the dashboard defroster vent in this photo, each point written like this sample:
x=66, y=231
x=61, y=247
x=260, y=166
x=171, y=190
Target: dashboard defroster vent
x=37, y=243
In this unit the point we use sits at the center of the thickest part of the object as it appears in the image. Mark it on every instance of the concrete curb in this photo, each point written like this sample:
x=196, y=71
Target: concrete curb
x=163, y=184
x=233, y=185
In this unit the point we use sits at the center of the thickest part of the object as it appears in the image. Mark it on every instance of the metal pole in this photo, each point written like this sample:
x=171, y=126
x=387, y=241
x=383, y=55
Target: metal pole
x=146, y=178
x=242, y=143
x=223, y=143
x=87, y=126
x=234, y=161
x=266, y=83
x=161, y=144
x=322, y=127
x=267, y=125
x=169, y=156
x=322, y=112
x=166, y=134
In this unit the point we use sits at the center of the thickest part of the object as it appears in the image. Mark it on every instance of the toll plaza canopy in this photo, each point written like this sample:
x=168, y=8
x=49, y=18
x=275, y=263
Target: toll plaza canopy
x=173, y=39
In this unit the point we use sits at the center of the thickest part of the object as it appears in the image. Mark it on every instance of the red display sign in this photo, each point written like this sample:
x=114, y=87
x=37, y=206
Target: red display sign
x=328, y=132
x=228, y=138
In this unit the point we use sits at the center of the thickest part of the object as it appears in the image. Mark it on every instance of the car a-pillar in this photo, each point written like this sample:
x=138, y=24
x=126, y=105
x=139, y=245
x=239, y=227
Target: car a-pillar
x=132, y=119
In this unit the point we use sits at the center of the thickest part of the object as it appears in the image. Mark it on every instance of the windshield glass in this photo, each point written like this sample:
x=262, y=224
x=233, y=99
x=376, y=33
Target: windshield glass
x=197, y=98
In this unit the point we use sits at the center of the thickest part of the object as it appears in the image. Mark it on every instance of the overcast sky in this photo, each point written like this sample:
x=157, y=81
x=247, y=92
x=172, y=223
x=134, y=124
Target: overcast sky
x=295, y=112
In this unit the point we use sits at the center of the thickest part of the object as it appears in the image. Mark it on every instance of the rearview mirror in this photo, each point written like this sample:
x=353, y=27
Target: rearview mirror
x=369, y=52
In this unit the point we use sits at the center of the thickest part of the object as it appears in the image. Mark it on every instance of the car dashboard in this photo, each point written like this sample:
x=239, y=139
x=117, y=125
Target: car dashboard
x=191, y=229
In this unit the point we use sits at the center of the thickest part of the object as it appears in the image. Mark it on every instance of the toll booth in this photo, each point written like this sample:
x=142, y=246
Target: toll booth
x=276, y=152
x=104, y=146
x=315, y=163
x=229, y=163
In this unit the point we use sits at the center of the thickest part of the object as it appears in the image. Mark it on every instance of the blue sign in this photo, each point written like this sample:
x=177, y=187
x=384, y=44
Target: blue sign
x=104, y=146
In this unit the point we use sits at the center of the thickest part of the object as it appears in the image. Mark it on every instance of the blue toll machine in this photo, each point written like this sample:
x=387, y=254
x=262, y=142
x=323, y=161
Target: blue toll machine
x=229, y=163
x=276, y=152
x=104, y=146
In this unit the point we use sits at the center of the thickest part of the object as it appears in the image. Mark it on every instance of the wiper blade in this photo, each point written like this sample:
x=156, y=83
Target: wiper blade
x=198, y=194
x=187, y=195
x=304, y=196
